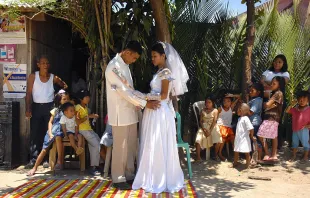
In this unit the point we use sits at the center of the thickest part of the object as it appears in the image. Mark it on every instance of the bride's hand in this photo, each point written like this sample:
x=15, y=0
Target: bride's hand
x=152, y=105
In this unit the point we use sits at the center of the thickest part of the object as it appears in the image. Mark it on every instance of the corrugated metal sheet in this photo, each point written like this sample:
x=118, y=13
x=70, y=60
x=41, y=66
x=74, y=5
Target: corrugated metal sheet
x=24, y=4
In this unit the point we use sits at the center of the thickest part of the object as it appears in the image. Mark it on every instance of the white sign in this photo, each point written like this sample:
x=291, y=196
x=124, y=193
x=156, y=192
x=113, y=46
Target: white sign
x=14, y=80
x=12, y=31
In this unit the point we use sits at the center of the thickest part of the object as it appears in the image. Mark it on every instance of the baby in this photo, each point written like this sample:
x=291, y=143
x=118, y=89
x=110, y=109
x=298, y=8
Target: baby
x=70, y=128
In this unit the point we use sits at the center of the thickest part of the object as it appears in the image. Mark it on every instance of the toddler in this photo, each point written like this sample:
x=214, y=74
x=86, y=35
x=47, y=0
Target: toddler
x=69, y=127
x=244, y=131
x=301, y=124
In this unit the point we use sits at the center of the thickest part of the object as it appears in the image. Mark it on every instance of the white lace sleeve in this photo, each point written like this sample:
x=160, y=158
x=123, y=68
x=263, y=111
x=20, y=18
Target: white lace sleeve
x=165, y=74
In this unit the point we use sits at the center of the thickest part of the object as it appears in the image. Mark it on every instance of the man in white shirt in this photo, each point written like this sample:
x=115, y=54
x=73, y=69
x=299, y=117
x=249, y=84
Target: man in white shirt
x=123, y=113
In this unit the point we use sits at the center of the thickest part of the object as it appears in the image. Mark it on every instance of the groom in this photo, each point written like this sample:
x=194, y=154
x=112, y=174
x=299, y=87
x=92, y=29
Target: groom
x=123, y=115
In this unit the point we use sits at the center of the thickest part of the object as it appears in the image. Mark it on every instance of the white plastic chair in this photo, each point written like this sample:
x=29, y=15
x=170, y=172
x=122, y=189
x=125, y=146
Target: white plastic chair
x=200, y=105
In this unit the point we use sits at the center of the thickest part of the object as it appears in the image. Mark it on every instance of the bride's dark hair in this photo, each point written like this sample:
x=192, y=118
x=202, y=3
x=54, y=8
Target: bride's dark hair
x=158, y=47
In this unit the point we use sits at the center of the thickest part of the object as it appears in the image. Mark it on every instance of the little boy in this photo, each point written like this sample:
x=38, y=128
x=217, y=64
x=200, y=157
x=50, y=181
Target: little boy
x=301, y=124
x=70, y=128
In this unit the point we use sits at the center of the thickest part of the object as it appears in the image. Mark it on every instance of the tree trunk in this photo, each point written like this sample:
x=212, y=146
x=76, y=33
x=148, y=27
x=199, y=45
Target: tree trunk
x=161, y=23
x=248, y=47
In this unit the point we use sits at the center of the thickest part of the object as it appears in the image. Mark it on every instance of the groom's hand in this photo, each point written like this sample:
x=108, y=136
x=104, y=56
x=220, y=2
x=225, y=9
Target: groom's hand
x=152, y=105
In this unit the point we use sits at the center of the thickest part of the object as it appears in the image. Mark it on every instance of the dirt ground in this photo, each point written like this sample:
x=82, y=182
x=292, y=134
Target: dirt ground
x=212, y=179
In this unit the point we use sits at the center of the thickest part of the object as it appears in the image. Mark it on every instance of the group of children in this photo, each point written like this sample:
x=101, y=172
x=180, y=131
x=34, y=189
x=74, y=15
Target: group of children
x=257, y=122
x=70, y=121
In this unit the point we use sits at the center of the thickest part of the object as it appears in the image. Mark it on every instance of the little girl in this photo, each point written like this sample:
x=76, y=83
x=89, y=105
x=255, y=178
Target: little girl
x=209, y=132
x=300, y=124
x=69, y=127
x=85, y=129
x=273, y=110
x=54, y=133
x=243, y=133
x=256, y=107
x=224, y=121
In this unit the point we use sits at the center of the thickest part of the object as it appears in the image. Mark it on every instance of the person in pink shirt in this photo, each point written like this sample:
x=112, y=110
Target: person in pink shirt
x=301, y=124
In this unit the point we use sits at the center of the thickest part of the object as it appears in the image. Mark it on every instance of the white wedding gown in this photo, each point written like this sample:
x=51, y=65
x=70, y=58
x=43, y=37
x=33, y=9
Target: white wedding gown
x=159, y=167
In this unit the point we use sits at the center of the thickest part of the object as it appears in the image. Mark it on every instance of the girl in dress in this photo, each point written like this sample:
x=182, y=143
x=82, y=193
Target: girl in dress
x=225, y=119
x=243, y=133
x=273, y=110
x=159, y=166
x=209, y=133
x=54, y=133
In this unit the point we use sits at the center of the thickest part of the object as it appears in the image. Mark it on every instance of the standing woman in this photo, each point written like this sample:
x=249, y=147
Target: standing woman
x=39, y=103
x=279, y=68
x=159, y=166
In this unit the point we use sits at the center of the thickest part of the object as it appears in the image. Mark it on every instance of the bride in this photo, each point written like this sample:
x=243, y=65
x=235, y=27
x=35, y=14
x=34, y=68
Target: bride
x=159, y=166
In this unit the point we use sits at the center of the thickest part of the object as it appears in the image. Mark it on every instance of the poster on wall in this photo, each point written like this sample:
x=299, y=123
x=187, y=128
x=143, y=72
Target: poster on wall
x=7, y=53
x=12, y=31
x=14, y=80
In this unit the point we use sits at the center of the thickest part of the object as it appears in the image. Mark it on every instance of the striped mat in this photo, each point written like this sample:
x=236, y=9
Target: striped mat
x=87, y=188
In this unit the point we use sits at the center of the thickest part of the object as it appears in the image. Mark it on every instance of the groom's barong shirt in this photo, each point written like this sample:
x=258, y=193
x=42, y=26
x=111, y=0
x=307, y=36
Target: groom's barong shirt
x=121, y=100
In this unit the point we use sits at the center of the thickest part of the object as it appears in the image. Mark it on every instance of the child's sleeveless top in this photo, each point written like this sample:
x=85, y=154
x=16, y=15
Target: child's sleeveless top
x=225, y=118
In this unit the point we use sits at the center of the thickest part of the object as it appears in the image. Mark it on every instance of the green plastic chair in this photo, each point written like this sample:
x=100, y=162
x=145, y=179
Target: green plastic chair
x=184, y=145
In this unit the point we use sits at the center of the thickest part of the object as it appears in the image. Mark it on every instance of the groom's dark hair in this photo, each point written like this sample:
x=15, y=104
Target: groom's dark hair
x=134, y=46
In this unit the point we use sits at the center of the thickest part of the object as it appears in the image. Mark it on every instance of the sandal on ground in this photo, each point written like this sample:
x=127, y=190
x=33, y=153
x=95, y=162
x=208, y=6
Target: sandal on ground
x=266, y=157
x=217, y=159
x=79, y=151
x=198, y=161
x=58, y=167
x=31, y=172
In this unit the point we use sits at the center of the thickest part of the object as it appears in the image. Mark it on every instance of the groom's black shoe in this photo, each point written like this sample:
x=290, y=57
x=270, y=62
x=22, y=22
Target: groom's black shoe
x=122, y=186
x=130, y=181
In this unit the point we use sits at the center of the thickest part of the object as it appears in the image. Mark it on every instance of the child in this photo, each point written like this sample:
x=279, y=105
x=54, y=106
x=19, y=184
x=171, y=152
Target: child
x=85, y=129
x=54, y=133
x=301, y=124
x=106, y=139
x=69, y=127
x=224, y=121
x=209, y=132
x=256, y=107
x=243, y=133
x=273, y=109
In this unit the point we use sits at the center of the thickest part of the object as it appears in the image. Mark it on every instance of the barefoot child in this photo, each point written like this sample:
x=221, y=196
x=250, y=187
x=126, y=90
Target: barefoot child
x=301, y=124
x=244, y=131
x=54, y=133
x=256, y=107
x=273, y=110
x=209, y=132
x=70, y=128
x=86, y=130
x=224, y=121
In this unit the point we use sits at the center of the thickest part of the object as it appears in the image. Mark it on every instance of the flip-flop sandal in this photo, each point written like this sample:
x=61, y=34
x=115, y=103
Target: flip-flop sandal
x=266, y=157
x=197, y=162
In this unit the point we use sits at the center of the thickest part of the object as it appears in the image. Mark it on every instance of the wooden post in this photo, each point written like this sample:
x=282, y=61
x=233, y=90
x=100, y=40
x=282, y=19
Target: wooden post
x=1, y=83
x=248, y=47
